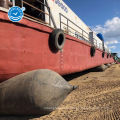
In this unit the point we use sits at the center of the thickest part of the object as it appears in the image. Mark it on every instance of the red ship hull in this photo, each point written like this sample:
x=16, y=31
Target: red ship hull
x=24, y=46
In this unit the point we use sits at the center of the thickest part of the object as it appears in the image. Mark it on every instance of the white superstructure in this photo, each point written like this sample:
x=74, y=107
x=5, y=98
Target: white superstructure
x=61, y=16
x=67, y=20
x=58, y=7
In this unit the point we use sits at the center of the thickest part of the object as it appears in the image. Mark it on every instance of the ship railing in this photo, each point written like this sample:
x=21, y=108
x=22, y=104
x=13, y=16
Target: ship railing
x=107, y=50
x=95, y=42
x=100, y=46
x=77, y=31
x=41, y=11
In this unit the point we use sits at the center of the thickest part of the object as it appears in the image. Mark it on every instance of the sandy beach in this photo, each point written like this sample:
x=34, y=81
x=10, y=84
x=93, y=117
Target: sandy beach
x=96, y=98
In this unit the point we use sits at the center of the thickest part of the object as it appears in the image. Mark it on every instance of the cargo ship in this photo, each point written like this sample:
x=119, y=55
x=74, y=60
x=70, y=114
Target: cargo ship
x=50, y=36
x=49, y=41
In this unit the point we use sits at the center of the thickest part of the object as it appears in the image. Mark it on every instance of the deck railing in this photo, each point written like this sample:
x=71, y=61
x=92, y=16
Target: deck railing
x=79, y=33
x=76, y=31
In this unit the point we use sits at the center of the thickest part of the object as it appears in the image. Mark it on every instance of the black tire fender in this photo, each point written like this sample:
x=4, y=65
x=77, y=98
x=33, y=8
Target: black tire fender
x=103, y=54
x=57, y=39
x=92, y=51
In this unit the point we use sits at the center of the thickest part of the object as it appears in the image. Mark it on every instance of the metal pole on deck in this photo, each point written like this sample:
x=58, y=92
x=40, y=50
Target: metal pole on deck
x=53, y=21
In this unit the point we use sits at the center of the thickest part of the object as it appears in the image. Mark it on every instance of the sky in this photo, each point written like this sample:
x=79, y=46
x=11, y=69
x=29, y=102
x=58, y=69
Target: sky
x=102, y=16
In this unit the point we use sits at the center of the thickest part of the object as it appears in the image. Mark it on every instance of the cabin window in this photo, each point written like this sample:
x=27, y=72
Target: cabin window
x=17, y=3
x=35, y=9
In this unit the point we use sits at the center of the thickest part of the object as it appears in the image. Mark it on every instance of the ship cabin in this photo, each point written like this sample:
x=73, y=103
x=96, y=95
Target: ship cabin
x=56, y=14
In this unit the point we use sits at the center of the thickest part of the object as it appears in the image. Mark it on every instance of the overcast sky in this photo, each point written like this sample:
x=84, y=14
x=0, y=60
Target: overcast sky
x=102, y=16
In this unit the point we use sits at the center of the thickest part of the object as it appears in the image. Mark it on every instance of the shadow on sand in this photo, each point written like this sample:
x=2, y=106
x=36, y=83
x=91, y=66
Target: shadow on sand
x=76, y=75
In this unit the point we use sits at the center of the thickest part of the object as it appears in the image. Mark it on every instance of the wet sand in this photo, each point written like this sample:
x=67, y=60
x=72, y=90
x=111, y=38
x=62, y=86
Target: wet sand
x=96, y=98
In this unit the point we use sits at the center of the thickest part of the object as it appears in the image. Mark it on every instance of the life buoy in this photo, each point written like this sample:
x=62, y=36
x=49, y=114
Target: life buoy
x=57, y=39
x=92, y=51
